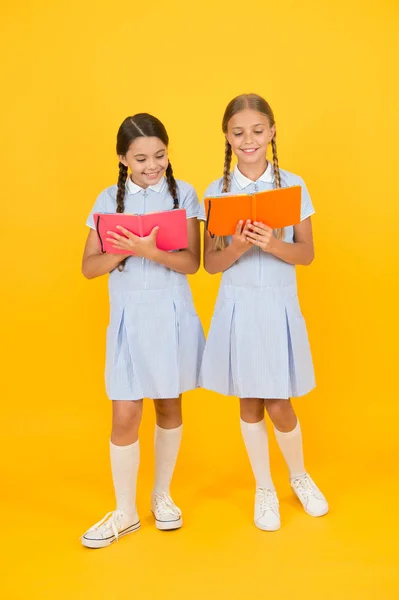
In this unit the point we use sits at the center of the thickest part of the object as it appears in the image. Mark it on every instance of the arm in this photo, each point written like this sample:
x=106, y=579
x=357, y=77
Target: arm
x=217, y=261
x=186, y=261
x=94, y=263
x=301, y=252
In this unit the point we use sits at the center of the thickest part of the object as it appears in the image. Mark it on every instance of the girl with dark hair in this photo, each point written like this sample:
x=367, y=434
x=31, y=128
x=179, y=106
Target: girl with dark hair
x=154, y=338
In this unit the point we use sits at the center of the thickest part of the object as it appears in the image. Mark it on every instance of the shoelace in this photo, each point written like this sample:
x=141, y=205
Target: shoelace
x=267, y=500
x=165, y=504
x=304, y=486
x=110, y=521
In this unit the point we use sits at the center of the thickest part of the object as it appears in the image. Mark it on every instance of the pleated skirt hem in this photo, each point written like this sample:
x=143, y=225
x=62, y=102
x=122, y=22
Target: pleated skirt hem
x=155, y=344
x=258, y=345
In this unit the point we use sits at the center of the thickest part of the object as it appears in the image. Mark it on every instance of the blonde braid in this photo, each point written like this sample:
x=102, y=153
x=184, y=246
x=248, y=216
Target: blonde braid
x=277, y=179
x=226, y=170
x=220, y=242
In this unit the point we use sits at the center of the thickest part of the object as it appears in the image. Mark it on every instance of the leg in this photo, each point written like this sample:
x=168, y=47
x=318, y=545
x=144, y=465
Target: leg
x=125, y=455
x=126, y=419
x=289, y=438
x=168, y=434
x=168, y=413
x=252, y=410
x=254, y=432
x=288, y=434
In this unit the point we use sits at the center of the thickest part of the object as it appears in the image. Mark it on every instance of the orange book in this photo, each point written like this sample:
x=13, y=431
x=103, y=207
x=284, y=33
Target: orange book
x=276, y=208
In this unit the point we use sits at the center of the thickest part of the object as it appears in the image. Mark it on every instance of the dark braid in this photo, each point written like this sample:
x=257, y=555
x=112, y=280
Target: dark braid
x=277, y=179
x=172, y=185
x=120, y=200
x=120, y=193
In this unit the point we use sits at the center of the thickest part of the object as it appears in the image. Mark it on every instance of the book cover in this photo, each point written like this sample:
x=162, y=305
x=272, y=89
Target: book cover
x=172, y=233
x=276, y=208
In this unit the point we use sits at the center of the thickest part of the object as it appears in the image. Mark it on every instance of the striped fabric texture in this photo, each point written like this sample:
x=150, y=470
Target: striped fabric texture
x=155, y=339
x=258, y=345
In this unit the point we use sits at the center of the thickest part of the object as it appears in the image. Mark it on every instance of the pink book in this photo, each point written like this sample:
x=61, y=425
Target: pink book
x=172, y=233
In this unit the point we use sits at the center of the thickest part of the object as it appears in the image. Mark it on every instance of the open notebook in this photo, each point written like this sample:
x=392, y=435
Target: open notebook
x=172, y=233
x=276, y=208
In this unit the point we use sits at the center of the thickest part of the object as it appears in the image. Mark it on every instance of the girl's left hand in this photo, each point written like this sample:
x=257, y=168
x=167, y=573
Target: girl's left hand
x=261, y=235
x=143, y=247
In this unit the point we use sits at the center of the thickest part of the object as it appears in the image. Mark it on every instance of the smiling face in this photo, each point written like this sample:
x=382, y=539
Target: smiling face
x=249, y=134
x=147, y=158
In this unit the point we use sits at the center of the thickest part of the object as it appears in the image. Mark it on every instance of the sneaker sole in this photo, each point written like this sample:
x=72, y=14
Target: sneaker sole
x=168, y=525
x=263, y=528
x=313, y=515
x=88, y=543
x=307, y=511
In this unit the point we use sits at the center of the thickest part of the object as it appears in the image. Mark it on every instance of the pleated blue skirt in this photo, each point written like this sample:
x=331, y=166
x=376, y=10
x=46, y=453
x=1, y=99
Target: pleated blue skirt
x=155, y=344
x=258, y=344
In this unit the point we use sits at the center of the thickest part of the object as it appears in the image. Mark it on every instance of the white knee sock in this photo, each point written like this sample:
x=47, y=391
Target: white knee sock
x=257, y=445
x=291, y=446
x=125, y=465
x=167, y=445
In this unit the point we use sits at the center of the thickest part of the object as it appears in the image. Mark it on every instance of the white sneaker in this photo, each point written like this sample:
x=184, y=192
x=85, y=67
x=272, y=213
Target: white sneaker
x=113, y=526
x=267, y=514
x=309, y=495
x=167, y=514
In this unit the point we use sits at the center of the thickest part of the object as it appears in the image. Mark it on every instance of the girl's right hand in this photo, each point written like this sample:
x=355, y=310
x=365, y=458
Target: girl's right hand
x=240, y=243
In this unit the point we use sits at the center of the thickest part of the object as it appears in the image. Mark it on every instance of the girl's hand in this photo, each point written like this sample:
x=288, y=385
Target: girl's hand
x=144, y=247
x=260, y=235
x=240, y=241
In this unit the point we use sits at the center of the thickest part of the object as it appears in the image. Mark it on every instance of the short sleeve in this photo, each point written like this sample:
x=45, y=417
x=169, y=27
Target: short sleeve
x=189, y=201
x=103, y=204
x=213, y=189
x=307, y=208
x=201, y=215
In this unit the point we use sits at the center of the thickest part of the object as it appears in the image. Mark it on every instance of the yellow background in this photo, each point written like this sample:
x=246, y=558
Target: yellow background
x=71, y=72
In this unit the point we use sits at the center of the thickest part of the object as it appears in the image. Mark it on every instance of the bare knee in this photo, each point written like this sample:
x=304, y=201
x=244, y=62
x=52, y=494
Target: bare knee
x=282, y=414
x=126, y=418
x=168, y=412
x=252, y=410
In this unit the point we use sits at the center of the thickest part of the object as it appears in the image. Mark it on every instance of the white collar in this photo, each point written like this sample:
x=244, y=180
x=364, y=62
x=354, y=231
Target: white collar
x=243, y=182
x=132, y=188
